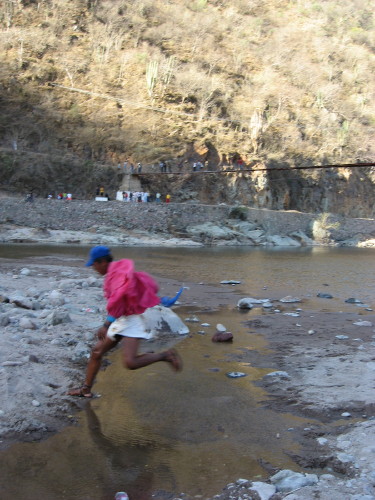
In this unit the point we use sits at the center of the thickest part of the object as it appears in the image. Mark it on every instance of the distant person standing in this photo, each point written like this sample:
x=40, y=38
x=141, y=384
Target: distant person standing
x=139, y=168
x=101, y=191
x=158, y=196
x=168, y=198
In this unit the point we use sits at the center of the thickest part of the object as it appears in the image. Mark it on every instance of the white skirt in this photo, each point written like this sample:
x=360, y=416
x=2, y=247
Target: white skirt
x=130, y=326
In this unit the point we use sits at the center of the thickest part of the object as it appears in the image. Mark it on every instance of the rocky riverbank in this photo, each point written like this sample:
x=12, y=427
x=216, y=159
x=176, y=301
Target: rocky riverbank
x=174, y=224
x=322, y=367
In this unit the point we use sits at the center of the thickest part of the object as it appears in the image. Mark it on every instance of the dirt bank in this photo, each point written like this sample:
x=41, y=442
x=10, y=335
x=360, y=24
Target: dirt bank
x=174, y=224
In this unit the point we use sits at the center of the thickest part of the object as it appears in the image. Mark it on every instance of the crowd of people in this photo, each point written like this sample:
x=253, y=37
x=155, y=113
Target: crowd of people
x=141, y=197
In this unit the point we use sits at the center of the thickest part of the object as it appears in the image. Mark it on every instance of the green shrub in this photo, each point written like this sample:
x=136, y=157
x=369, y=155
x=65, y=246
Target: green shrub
x=238, y=213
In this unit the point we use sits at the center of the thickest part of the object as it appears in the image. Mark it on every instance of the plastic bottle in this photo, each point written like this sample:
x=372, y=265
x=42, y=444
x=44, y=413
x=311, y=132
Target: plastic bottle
x=121, y=495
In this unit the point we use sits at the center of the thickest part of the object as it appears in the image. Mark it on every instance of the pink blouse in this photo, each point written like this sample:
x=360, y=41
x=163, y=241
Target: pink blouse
x=129, y=291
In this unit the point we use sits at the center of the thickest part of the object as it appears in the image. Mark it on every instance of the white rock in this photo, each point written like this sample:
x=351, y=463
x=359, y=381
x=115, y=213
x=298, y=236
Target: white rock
x=322, y=441
x=27, y=324
x=278, y=374
x=341, y=337
x=346, y=414
x=294, y=315
x=4, y=319
x=193, y=319
x=211, y=231
x=255, y=301
x=264, y=490
x=244, y=304
x=230, y=282
x=81, y=352
x=21, y=301
x=34, y=402
x=205, y=324
x=220, y=328
x=287, y=480
x=58, y=317
x=282, y=241
x=362, y=323
x=56, y=298
x=25, y=272
x=289, y=299
x=345, y=458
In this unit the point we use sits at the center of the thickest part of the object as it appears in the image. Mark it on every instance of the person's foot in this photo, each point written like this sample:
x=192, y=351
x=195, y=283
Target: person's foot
x=82, y=392
x=172, y=357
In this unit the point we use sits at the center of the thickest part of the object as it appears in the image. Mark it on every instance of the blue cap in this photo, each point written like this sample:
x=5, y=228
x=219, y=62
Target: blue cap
x=97, y=253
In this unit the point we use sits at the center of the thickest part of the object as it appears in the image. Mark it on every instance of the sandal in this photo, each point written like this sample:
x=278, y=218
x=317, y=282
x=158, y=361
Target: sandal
x=82, y=392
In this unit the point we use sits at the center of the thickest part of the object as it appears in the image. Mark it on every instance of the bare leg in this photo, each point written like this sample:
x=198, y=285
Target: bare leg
x=133, y=360
x=93, y=366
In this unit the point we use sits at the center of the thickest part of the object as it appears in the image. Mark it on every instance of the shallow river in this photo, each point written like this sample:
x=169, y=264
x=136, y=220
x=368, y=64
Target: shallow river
x=153, y=430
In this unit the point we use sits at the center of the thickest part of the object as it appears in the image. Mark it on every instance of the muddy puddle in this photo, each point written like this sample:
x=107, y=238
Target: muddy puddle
x=152, y=430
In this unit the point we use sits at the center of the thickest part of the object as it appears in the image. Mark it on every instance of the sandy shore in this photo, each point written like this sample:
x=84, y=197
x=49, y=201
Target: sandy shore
x=323, y=362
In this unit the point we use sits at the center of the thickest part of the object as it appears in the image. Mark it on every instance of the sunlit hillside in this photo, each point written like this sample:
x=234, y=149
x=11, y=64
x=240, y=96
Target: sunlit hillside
x=90, y=83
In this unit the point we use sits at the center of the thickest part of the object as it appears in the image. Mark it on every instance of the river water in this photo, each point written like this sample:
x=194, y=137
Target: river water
x=154, y=431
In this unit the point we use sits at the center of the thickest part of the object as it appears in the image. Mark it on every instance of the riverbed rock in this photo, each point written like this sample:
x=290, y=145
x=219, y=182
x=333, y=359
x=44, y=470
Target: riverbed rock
x=236, y=374
x=290, y=300
x=282, y=241
x=222, y=337
x=278, y=375
x=80, y=353
x=210, y=232
x=27, y=324
x=245, y=304
x=324, y=295
x=362, y=323
x=4, y=319
x=58, y=317
x=257, y=236
x=21, y=301
x=220, y=328
x=56, y=298
x=25, y=271
x=287, y=480
x=264, y=490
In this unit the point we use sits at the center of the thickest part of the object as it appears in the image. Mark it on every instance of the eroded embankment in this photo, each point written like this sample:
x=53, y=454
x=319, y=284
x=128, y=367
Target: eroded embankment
x=91, y=222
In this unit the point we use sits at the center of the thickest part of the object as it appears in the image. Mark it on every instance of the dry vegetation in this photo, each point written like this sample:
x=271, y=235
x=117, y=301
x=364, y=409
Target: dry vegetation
x=277, y=81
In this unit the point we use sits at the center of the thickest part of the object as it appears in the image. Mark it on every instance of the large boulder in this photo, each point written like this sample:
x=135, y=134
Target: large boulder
x=210, y=231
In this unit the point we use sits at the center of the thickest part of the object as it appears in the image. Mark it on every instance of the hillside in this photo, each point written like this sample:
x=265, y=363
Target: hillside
x=86, y=85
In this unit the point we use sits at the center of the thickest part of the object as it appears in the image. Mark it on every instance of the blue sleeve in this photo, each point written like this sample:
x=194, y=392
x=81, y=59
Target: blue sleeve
x=169, y=301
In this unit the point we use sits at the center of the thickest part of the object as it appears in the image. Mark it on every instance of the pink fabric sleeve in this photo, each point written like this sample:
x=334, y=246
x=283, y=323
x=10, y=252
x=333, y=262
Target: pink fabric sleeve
x=129, y=291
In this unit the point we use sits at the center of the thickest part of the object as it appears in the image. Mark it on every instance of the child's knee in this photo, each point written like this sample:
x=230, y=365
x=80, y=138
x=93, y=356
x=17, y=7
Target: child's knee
x=129, y=363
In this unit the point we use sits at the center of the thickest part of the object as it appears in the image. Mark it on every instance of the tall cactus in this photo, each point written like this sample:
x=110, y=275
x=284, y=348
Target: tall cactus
x=151, y=76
